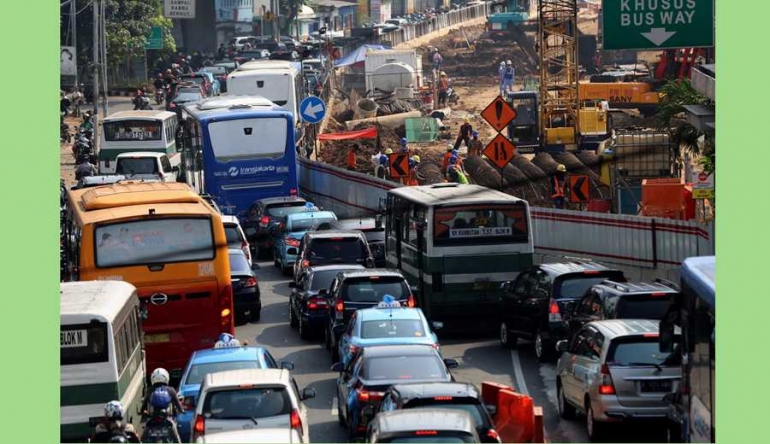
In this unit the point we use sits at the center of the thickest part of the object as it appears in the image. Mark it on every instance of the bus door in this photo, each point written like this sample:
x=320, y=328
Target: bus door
x=420, y=227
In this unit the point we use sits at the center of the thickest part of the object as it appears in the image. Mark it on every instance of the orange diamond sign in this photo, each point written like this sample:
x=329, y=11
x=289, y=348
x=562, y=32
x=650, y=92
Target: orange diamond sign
x=500, y=151
x=499, y=113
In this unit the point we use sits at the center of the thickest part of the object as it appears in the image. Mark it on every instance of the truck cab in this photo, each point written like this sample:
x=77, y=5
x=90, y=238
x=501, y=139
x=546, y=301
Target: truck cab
x=508, y=14
x=146, y=165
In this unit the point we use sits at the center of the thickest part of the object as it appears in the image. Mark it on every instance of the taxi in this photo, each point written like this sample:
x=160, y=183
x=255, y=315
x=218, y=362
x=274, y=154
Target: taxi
x=389, y=323
x=227, y=354
x=289, y=232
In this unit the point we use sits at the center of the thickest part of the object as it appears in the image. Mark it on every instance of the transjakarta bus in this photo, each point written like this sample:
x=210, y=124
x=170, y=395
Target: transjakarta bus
x=171, y=245
x=128, y=131
x=458, y=243
x=278, y=81
x=691, y=413
x=100, y=354
x=238, y=150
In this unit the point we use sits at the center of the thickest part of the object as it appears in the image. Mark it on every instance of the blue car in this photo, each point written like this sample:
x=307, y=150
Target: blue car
x=385, y=326
x=289, y=233
x=214, y=360
x=216, y=87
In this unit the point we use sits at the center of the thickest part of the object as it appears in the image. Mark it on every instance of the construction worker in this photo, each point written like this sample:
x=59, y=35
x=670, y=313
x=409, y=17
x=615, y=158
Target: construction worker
x=404, y=145
x=412, y=179
x=445, y=160
x=501, y=76
x=383, y=171
x=443, y=86
x=557, y=186
x=436, y=59
x=475, y=148
x=508, y=77
x=351, y=159
x=455, y=173
x=465, y=134
x=458, y=160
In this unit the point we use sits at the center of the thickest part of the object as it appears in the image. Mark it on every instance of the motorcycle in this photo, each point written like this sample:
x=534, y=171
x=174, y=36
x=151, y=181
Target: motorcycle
x=159, y=429
x=142, y=103
x=160, y=95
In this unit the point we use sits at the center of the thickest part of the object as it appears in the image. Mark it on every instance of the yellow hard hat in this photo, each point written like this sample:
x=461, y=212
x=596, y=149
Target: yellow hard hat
x=443, y=73
x=561, y=168
x=467, y=120
x=388, y=151
x=416, y=158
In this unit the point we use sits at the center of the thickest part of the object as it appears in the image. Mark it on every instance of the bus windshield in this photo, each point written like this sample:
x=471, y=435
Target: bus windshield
x=248, y=139
x=132, y=130
x=83, y=344
x=480, y=224
x=154, y=241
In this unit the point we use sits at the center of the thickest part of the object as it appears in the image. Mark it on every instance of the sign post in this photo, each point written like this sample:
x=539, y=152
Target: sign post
x=578, y=188
x=657, y=24
x=500, y=150
x=703, y=185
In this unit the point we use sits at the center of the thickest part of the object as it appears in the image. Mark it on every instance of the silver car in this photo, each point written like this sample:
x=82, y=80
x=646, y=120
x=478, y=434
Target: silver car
x=612, y=371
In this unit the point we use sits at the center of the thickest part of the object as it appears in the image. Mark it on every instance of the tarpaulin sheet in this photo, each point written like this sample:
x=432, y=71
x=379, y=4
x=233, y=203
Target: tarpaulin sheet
x=369, y=133
x=358, y=55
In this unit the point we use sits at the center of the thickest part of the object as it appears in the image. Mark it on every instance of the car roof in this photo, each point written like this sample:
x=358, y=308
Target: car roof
x=558, y=268
x=366, y=272
x=236, y=251
x=333, y=233
x=154, y=154
x=424, y=419
x=399, y=350
x=262, y=376
x=634, y=288
x=227, y=354
x=431, y=389
x=310, y=215
x=614, y=328
x=339, y=267
x=376, y=314
x=229, y=219
x=283, y=199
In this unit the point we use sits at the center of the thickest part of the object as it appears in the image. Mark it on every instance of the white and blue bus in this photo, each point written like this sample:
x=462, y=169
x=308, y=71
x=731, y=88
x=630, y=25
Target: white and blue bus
x=238, y=150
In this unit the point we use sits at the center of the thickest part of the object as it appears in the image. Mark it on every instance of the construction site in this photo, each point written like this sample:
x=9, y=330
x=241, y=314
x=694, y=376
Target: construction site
x=616, y=92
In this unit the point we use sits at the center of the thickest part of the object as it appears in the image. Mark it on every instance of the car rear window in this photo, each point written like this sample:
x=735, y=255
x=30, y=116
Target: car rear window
x=373, y=289
x=322, y=279
x=137, y=165
x=258, y=402
x=337, y=250
x=309, y=224
x=574, y=286
x=396, y=328
x=375, y=236
x=233, y=235
x=631, y=351
x=405, y=368
x=470, y=405
x=239, y=263
x=282, y=209
x=198, y=372
x=196, y=79
x=642, y=307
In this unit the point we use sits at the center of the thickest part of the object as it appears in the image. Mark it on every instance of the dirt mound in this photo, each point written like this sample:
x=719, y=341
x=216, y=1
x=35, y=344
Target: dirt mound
x=514, y=176
x=528, y=168
x=428, y=173
x=574, y=165
x=482, y=172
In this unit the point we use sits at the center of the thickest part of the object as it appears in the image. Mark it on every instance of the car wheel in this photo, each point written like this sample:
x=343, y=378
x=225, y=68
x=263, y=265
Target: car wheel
x=292, y=319
x=255, y=314
x=303, y=330
x=506, y=338
x=542, y=347
x=593, y=428
x=566, y=410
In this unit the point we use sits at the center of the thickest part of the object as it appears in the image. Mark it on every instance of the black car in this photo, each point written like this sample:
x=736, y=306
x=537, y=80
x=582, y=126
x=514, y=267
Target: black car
x=266, y=214
x=246, y=298
x=322, y=247
x=422, y=426
x=374, y=233
x=532, y=305
x=309, y=299
x=621, y=300
x=444, y=395
x=362, y=383
x=357, y=289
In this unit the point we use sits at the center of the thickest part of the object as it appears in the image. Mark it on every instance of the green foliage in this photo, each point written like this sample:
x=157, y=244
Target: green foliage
x=677, y=93
x=289, y=10
x=128, y=25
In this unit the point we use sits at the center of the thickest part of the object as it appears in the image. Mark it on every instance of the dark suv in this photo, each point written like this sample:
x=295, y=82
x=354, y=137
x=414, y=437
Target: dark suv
x=332, y=247
x=356, y=289
x=616, y=300
x=266, y=214
x=374, y=232
x=533, y=304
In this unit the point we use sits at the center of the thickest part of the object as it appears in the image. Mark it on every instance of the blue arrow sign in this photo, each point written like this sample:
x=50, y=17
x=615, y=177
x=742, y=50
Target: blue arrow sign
x=312, y=109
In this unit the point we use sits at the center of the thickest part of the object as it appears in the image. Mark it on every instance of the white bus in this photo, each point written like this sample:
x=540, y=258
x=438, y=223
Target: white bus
x=101, y=354
x=282, y=85
x=130, y=131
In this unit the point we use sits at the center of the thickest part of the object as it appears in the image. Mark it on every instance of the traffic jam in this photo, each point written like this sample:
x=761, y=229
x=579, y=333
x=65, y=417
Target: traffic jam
x=222, y=280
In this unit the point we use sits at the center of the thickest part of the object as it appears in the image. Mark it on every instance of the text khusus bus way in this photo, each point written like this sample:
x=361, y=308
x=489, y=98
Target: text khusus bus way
x=74, y=338
x=656, y=12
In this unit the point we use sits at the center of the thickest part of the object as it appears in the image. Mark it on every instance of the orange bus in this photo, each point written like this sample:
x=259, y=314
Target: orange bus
x=171, y=245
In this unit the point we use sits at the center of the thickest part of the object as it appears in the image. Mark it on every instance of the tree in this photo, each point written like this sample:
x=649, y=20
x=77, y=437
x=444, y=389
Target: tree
x=289, y=10
x=128, y=25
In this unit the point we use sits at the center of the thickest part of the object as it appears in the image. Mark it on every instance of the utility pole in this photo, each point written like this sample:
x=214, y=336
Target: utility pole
x=103, y=21
x=74, y=27
x=96, y=59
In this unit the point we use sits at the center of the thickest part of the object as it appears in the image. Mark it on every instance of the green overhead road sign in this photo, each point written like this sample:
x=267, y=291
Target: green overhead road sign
x=657, y=24
x=155, y=39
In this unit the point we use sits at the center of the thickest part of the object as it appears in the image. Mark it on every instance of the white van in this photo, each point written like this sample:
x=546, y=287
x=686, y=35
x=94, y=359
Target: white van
x=147, y=165
x=282, y=86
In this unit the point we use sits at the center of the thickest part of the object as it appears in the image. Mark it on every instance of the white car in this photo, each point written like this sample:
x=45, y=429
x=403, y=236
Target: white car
x=147, y=165
x=257, y=436
x=236, y=238
x=253, y=400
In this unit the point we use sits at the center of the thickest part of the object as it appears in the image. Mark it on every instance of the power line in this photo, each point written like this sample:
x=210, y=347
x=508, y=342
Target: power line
x=81, y=10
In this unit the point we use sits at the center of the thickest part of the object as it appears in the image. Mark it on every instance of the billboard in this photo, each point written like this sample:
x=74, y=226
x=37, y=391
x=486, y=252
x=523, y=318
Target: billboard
x=179, y=9
x=234, y=11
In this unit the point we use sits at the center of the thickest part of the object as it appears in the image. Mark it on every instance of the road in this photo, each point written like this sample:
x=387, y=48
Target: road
x=482, y=359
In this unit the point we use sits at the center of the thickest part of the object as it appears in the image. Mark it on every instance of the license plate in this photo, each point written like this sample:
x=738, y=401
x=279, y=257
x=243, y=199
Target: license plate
x=481, y=285
x=656, y=386
x=155, y=339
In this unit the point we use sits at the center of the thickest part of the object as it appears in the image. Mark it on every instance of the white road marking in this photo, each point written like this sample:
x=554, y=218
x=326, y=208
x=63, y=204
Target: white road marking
x=548, y=375
x=334, y=406
x=518, y=374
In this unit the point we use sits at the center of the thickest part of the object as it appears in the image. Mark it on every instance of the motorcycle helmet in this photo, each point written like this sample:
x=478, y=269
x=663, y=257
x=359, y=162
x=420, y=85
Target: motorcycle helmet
x=159, y=376
x=113, y=410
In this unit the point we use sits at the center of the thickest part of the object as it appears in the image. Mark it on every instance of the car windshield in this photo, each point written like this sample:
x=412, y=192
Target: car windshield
x=575, y=286
x=337, y=250
x=397, y=328
x=640, y=351
x=405, y=368
x=470, y=405
x=188, y=97
x=196, y=79
x=119, y=130
x=258, y=402
x=372, y=289
x=137, y=165
x=282, y=209
x=233, y=235
x=239, y=263
x=308, y=224
x=198, y=372
x=645, y=307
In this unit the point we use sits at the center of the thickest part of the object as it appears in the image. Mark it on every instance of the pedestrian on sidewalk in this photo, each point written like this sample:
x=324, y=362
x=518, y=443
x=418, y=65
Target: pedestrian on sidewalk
x=476, y=146
x=466, y=129
x=557, y=186
x=508, y=77
x=443, y=86
x=351, y=160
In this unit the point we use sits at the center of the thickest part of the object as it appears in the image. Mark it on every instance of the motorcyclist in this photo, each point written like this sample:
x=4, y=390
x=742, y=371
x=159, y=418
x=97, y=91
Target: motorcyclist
x=113, y=426
x=162, y=412
x=87, y=125
x=159, y=84
x=160, y=379
x=85, y=168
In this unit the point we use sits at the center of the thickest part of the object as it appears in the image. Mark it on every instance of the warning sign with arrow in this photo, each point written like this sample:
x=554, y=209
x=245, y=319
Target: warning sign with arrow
x=499, y=113
x=399, y=165
x=500, y=151
x=578, y=189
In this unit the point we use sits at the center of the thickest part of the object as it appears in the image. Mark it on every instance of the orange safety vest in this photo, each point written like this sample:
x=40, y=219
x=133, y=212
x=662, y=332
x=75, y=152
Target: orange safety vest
x=443, y=84
x=558, y=188
x=445, y=161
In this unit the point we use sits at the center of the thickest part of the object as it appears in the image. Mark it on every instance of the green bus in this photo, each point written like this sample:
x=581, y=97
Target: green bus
x=132, y=131
x=457, y=244
x=101, y=355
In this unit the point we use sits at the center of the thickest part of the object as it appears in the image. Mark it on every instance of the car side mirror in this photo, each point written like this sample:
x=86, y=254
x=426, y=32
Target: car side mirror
x=286, y=365
x=338, y=367
x=292, y=284
x=308, y=393
x=175, y=169
x=451, y=363
x=562, y=346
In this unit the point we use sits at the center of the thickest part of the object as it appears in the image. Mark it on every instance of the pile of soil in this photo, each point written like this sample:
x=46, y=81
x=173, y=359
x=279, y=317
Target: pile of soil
x=482, y=173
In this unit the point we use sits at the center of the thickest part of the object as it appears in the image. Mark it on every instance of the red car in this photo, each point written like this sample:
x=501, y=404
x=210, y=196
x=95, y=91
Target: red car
x=199, y=79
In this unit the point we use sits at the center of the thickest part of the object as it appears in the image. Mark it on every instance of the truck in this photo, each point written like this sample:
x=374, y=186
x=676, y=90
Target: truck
x=405, y=68
x=509, y=15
